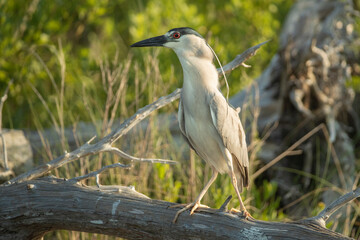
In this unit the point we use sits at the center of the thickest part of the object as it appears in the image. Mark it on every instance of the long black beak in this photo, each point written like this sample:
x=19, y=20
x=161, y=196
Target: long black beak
x=154, y=42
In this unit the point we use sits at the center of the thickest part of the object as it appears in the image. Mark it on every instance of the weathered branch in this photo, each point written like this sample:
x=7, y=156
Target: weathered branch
x=324, y=215
x=127, y=214
x=241, y=59
x=104, y=145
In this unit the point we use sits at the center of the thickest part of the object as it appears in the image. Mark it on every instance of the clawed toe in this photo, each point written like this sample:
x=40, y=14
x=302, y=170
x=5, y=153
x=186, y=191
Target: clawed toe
x=194, y=206
x=183, y=210
x=177, y=205
x=244, y=213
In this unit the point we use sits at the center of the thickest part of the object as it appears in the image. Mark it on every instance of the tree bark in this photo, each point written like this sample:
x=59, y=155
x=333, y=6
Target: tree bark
x=32, y=208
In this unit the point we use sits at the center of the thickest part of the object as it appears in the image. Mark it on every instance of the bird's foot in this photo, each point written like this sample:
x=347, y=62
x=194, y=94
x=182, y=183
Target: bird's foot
x=243, y=213
x=194, y=206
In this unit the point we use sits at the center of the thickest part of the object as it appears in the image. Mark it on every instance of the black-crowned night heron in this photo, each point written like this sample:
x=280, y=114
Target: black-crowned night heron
x=211, y=127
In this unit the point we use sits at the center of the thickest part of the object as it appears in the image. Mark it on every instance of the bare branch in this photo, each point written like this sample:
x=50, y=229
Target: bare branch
x=241, y=58
x=91, y=149
x=96, y=173
x=286, y=152
x=324, y=215
x=140, y=115
x=122, y=154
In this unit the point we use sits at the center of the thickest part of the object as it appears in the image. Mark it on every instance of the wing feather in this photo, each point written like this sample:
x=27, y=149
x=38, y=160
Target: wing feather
x=181, y=119
x=227, y=123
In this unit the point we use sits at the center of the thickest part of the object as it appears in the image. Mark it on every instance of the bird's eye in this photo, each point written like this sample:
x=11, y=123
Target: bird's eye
x=176, y=35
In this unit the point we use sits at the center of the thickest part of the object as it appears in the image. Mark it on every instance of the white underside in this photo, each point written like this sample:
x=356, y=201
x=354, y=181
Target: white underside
x=198, y=121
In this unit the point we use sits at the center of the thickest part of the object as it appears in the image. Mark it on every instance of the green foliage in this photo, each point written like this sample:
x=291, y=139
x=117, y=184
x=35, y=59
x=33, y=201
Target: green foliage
x=267, y=202
x=33, y=31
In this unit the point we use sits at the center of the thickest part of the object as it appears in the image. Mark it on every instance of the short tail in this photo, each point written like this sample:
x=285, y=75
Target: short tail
x=241, y=174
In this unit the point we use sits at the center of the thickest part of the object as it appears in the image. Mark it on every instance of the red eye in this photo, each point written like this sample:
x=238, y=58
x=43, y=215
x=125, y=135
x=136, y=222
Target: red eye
x=176, y=35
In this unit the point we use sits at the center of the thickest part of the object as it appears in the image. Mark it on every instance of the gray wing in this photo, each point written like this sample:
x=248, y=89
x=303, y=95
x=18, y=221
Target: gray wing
x=181, y=119
x=227, y=123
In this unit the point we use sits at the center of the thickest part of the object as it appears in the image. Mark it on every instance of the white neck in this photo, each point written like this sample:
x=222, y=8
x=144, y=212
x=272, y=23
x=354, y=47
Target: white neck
x=199, y=73
x=196, y=60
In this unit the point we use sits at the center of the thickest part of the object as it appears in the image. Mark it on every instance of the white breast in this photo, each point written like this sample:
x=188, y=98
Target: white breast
x=200, y=80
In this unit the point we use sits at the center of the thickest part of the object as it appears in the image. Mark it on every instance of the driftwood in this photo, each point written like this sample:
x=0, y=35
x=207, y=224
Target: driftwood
x=32, y=208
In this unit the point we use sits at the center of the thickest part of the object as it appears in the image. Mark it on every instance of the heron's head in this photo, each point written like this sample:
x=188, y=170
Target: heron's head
x=185, y=41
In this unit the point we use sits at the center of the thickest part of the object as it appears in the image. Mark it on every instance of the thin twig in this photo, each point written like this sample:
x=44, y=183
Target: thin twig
x=306, y=195
x=286, y=152
x=132, y=158
x=52, y=80
x=2, y=101
x=6, y=165
x=335, y=157
x=289, y=152
x=96, y=173
x=241, y=58
x=38, y=94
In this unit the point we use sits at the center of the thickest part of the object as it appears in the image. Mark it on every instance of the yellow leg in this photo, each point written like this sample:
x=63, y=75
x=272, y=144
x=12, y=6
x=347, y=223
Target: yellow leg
x=196, y=204
x=246, y=214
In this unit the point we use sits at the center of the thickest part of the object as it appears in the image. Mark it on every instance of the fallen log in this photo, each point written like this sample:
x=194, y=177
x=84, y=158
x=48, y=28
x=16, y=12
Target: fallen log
x=32, y=208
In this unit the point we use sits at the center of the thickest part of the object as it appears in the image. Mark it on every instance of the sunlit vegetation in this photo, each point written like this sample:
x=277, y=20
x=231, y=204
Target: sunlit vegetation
x=71, y=63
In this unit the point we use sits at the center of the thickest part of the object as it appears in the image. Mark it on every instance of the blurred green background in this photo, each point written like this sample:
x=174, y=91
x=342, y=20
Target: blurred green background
x=71, y=62
x=92, y=31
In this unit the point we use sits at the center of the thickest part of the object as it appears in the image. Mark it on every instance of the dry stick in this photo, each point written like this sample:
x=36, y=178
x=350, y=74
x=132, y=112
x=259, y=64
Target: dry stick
x=96, y=173
x=3, y=99
x=241, y=58
x=289, y=152
x=313, y=192
x=286, y=152
x=6, y=165
x=336, y=159
x=41, y=61
x=40, y=97
x=7, y=172
x=104, y=145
